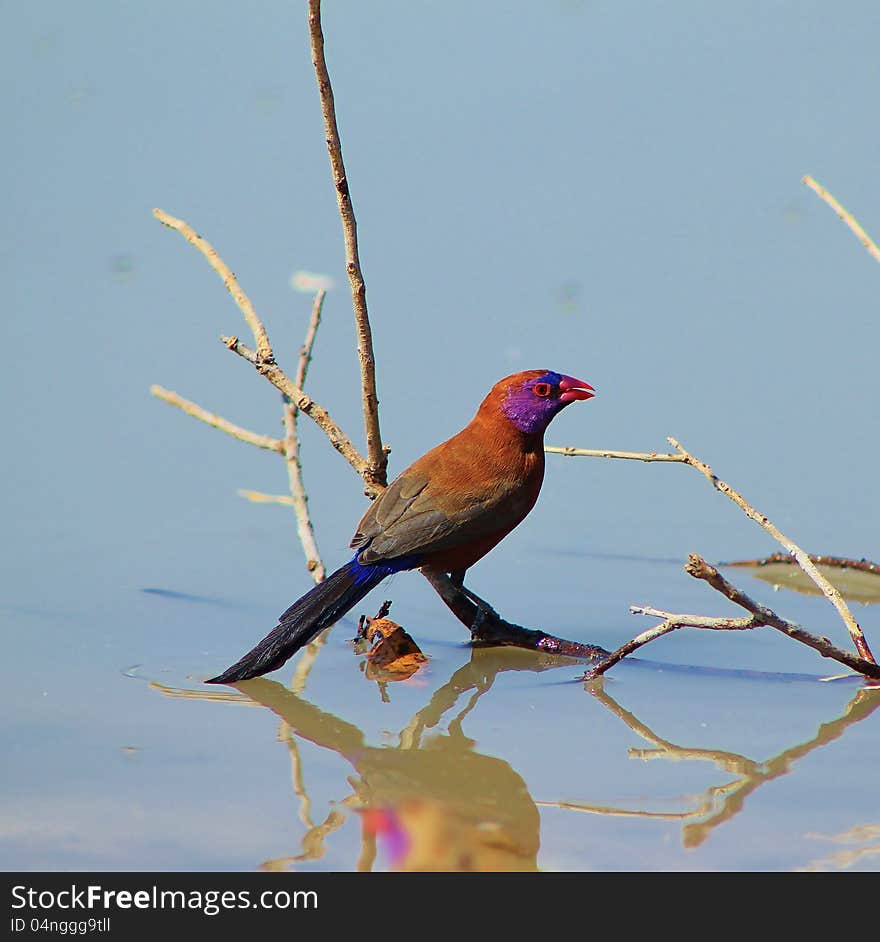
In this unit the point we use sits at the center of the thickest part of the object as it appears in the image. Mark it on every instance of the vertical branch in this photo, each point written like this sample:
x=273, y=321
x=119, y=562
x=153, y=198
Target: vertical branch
x=292, y=457
x=298, y=492
x=377, y=459
x=305, y=352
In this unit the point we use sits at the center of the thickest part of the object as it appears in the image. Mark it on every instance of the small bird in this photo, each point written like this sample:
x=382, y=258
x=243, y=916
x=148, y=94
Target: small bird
x=443, y=513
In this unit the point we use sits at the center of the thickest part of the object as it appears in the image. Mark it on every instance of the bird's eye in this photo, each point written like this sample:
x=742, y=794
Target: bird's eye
x=542, y=389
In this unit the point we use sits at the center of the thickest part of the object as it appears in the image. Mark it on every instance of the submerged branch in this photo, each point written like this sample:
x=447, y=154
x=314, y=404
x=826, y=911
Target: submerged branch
x=700, y=569
x=671, y=622
x=801, y=557
x=760, y=616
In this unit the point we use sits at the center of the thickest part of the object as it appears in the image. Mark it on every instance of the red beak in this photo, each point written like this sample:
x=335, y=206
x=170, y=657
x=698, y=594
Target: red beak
x=573, y=389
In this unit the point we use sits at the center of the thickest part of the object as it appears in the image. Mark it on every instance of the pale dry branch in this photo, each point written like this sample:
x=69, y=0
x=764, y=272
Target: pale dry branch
x=570, y=452
x=279, y=379
x=760, y=616
x=375, y=472
x=217, y=421
x=304, y=526
x=700, y=569
x=264, y=349
x=305, y=351
x=845, y=215
x=263, y=358
x=671, y=622
x=801, y=557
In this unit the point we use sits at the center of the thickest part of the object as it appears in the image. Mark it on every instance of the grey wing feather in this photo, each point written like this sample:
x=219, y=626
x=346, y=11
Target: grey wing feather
x=388, y=508
x=404, y=521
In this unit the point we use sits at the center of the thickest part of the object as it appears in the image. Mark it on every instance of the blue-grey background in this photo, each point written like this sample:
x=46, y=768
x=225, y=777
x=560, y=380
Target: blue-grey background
x=611, y=190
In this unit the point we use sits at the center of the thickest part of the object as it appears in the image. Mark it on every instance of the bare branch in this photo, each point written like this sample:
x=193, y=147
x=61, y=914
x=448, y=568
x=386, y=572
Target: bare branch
x=279, y=379
x=264, y=350
x=217, y=421
x=802, y=558
x=671, y=622
x=846, y=216
x=700, y=569
x=377, y=460
x=263, y=358
x=760, y=616
x=570, y=452
x=299, y=498
x=305, y=352
x=292, y=458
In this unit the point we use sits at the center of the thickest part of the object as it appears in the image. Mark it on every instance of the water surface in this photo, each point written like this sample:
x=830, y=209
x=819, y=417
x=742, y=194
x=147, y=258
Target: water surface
x=608, y=190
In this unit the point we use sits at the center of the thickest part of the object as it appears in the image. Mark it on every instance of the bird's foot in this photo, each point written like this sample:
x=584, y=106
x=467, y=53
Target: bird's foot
x=484, y=609
x=484, y=616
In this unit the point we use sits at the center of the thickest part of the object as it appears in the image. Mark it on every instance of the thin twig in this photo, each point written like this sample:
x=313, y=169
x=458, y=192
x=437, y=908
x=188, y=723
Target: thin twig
x=264, y=349
x=760, y=616
x=377, y=459
x=298, y=494
x=700, y=569
x=570, y=452
x=671, y=622
x=845, y=215
x=292, y=457
x=802, y=558
x=263, y=358
x=305, y=351
x=217, y=421
x=279, y=379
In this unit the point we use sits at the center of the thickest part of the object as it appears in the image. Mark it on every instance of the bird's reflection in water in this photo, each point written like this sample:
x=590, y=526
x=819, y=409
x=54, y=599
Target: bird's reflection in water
x=434, y=802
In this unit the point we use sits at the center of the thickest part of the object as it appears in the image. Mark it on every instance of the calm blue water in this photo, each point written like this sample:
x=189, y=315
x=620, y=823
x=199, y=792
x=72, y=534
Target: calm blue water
x=608, y=190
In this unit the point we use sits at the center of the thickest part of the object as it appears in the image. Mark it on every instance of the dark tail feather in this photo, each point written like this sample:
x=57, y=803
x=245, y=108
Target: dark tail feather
x=316, y=610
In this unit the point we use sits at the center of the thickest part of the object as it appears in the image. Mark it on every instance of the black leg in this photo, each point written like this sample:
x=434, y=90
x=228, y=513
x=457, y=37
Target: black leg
x=488, y=627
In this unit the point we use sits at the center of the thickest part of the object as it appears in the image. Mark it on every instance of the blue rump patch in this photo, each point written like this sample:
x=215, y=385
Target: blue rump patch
x=375, y=572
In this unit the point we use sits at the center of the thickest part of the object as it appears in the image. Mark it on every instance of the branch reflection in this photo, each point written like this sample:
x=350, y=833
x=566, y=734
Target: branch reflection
x=434, y=802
